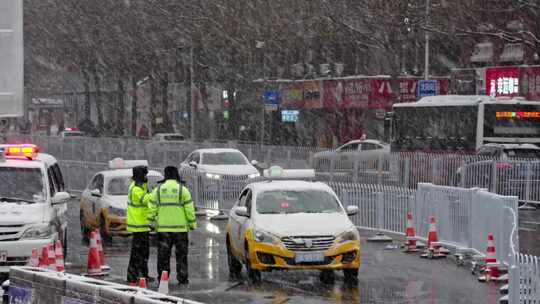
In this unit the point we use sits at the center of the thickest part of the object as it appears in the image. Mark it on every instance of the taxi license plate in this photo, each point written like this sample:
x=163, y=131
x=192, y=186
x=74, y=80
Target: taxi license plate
x=3, y=256
x=309, y=257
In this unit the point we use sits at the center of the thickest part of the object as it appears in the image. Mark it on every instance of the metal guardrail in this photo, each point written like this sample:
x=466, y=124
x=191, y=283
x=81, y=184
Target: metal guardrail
x=35, y=285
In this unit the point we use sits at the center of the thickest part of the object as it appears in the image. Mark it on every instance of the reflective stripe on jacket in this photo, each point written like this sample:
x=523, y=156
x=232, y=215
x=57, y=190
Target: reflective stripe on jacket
x=172, y=208
x=137, y=210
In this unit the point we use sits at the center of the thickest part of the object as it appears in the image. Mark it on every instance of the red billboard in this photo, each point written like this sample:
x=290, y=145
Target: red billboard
x=502, y=81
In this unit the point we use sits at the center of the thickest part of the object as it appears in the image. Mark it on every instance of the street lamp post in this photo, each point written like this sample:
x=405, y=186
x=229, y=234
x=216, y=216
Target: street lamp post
x=260, y=46
x=426, y=55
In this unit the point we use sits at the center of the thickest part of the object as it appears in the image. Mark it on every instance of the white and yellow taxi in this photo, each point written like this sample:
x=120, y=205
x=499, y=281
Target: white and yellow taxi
x=104, y=201
x=292, y=224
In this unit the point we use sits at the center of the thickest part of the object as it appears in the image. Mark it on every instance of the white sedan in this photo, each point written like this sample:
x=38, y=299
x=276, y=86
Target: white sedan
x=221, y=163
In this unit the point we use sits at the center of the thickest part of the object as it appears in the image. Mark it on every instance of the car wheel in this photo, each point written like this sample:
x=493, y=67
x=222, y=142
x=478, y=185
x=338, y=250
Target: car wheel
x=84, y=229
x=106, y=238
x=235, y=267
x=254, y=275
x=327, y=276
x=351, y=276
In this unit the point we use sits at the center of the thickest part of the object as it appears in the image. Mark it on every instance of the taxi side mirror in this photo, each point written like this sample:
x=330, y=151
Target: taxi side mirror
x=193, y=164
x=95, y=193
x=254, y=163
x=352, y=210
x=241, y=211
x=60, y=198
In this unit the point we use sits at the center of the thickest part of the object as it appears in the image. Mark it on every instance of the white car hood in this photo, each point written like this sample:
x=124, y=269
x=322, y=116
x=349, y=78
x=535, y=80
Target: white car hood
x=228, y=169
x=304, y=224
x=13, y=213
x=117, y=201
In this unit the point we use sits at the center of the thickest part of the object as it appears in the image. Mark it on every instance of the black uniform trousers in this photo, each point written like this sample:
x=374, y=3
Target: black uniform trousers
x=166, y=241
x=138, y=259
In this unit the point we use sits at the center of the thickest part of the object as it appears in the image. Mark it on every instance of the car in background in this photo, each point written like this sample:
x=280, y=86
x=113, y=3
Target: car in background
x=221, y=163
x=104, y=201
x=71, y=132
x=33, y=204
x=507, y=169
x=367, y=151
x=292, y=224
x=168, y=137
x=217, y=174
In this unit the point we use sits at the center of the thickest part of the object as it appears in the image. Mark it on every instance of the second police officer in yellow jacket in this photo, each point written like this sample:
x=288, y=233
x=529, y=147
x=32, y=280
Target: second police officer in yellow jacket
x=171, y=209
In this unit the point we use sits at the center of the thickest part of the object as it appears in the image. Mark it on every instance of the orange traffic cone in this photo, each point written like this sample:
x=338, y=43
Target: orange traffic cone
x=142, y=283
x=492, y=268
x=104, y=265
x=432, y=250
x=410, y=244
x=51, y=262
x=94, y=264
x=44, y=259
x=59, y=256
x=34, y=260
x=164, y=283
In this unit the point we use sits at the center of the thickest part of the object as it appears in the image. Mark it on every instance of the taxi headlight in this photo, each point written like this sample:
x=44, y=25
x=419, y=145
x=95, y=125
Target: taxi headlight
x=38, y=232
x=213, y=176
x=254, y=175
x=117, y=211
x=349, y=235
x=265, y=237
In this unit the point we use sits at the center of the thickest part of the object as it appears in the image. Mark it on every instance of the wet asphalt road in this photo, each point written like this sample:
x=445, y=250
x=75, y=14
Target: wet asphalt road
x=386, y=276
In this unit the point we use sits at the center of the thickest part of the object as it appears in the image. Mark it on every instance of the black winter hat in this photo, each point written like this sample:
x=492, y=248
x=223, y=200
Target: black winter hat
x=171, y=172
x=139, y=174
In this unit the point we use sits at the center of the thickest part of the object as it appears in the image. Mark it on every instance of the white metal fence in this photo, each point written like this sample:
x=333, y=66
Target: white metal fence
x=506, y=177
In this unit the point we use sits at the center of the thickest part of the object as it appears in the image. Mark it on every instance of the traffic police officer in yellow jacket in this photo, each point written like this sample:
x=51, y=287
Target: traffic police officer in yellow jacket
x=171, y=207
x=138, y=225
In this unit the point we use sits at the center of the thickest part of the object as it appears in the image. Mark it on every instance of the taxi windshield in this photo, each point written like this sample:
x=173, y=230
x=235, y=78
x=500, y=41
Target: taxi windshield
x=306, y=201
x=120, y=185
x=20, y=184
x=223, y=158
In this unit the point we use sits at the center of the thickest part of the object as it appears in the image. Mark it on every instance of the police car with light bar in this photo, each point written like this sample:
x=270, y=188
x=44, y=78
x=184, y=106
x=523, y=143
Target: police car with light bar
x=104, y=201
x=284, y=223
x=33, y=204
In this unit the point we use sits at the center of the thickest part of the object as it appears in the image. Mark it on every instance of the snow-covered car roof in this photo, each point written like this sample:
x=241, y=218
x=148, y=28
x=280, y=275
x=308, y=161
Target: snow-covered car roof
x=125, y=173
x=217, y=150
x=291, y=185
x=370, y=141
x=38, y=162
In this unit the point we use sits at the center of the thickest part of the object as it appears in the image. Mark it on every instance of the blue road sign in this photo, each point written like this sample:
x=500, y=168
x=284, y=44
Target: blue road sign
x=427, y=88
x=272, y=98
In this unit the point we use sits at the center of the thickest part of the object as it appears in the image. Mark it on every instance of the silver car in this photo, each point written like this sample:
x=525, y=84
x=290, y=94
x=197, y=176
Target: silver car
x=368, y=152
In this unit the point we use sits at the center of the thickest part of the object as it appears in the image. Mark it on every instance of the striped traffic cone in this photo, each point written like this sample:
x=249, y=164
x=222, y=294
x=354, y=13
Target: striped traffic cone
x=104, y=265
x=34, y=260
x=492, y=266
x=44, y=259
x=59, y=256
x=410, y=244
x=142, y=283
x=433, y=250
x=51, y=262
x=94, y=264
x=164, y=283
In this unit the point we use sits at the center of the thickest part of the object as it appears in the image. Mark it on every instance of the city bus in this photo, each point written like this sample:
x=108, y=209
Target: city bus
x=455, y=123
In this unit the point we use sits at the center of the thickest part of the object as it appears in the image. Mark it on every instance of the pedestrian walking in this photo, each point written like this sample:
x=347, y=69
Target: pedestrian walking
x=138, y=225
x=172, y=210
